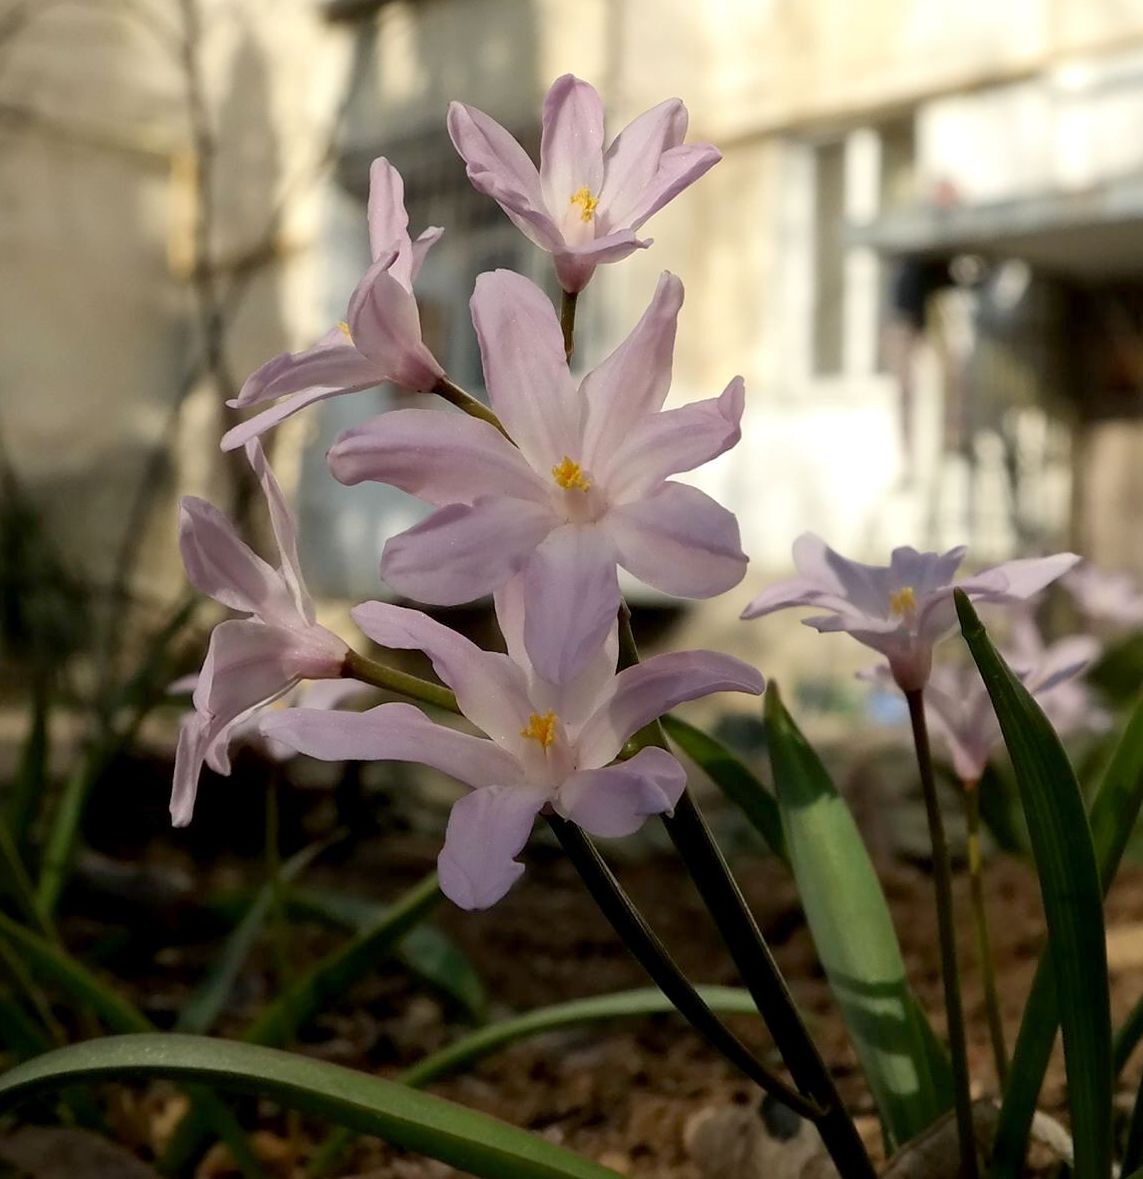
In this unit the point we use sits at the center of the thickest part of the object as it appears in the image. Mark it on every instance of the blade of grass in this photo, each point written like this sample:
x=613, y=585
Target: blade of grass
x=853, y=932
x=471, y=1142
x=1072, y=896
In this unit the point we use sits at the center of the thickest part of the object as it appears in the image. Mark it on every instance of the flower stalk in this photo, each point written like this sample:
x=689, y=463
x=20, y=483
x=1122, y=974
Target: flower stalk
x=455, y=395
x=942, y=884
x=983, y=939
x=567, y=321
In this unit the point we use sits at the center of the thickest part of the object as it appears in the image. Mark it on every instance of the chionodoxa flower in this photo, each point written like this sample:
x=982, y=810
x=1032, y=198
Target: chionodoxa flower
x=902, y=609
x=551, y=745
x=585, y=203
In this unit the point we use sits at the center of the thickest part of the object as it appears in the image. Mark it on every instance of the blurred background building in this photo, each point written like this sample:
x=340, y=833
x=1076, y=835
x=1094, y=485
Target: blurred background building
x=923, y=250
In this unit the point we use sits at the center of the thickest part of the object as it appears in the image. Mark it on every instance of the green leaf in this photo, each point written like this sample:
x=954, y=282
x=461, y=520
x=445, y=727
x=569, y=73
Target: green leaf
x=462, y=1138
x=903, y=1062
x=203, y=1007
x=426, y=952
x=1127, y=1038
x=733, y=778
x=1072, y=897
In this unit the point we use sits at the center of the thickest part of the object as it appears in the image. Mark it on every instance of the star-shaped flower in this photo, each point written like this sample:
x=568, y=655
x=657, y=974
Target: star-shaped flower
x=584, y=488
x=551, y=744
x=378, y=341
x=585, y=203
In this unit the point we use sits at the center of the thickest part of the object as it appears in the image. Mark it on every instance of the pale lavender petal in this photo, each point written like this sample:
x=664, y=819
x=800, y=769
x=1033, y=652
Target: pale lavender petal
x=285, y=530
x=486, y=831
x=923, y=572
x=391, y=732
x=633, y=381
x=386, y=327
x=490, y=689
x=969, y=738
x=421, y=247
x=645, y=691
x=632, y=160
x=388, y=220
x=333, y=364
x=678, y=168
x=464, y=551
x=1016, y=580
x=219, y=563
x=865, y=587
x=438, y=456
x=189, y=756
x=329, y=694
x=239, y=435
x=575, y=264
x=615, y=801
x=571, y=143
x=571, y=592
x=676, y=440
x=679, y=541
x=791, y=591
x=525, y=371
x=500, y=168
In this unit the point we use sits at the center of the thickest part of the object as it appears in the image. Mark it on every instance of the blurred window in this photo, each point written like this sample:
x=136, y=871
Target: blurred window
x=829, y=258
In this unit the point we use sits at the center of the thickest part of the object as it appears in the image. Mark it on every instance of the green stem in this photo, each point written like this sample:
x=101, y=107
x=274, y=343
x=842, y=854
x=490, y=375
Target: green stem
x=942, y=884
x=736, y=925
x=567, y=321
x=653, y=956
x=455, y=395
x=983, y=940
x=369, y=671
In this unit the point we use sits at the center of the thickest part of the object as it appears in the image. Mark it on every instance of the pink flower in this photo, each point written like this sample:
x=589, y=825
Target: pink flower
x=584, y=204
x=250, y=661
x=960, y=710
x=901, y=609
x=1105, y=597
x=586, y=488
x=550, y=745
x=380, y=337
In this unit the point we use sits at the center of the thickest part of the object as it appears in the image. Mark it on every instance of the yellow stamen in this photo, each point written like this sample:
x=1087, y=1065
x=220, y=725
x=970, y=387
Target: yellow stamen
x=570, y=475
x=583, y=197
x=903, y=602
x=541, y=728
x=344, y=328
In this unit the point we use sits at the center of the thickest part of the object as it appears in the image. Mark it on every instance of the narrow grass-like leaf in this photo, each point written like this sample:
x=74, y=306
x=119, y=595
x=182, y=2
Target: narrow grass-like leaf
x=203, y=1007
x=462, y=1138
x=1127, y=1038
x=845, y=907
x=425, y=951
x=1114, y=812
x=731, y=775
x=1072, y=896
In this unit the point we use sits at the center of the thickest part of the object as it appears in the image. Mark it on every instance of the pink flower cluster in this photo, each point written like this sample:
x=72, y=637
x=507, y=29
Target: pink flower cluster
x=541, y=513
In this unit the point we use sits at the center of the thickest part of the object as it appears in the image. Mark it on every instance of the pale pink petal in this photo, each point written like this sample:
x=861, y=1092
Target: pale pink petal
x=525, y=371
x=791, y=591
x=333, y=364
x=438, y=456
x=391, y=732
x=388, y=220
x=575, y=264
x=464, y=551
x=616, y=801
x=923, y=572
x=645, y=691
x=1016, y=580
x=490, y=689
x=633, y=381
x=500, y=168
x=421, y=246
x=486, y=831
x=189, y=756
x=239, y=435
x=864, y=588
x=678, y=168
x=679, y=541
x=386, y=327
x=571, y=143
x=1063, y=661
x=632, y=159
x=676, y=440
x=571, y=593
x=285, y=530
x=219, y=563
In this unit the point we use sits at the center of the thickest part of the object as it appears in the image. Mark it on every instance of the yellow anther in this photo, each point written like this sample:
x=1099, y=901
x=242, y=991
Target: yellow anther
x=588, y=202
x=541, y=728
x=903, y=602
x=570, y=475
x=343, y=327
